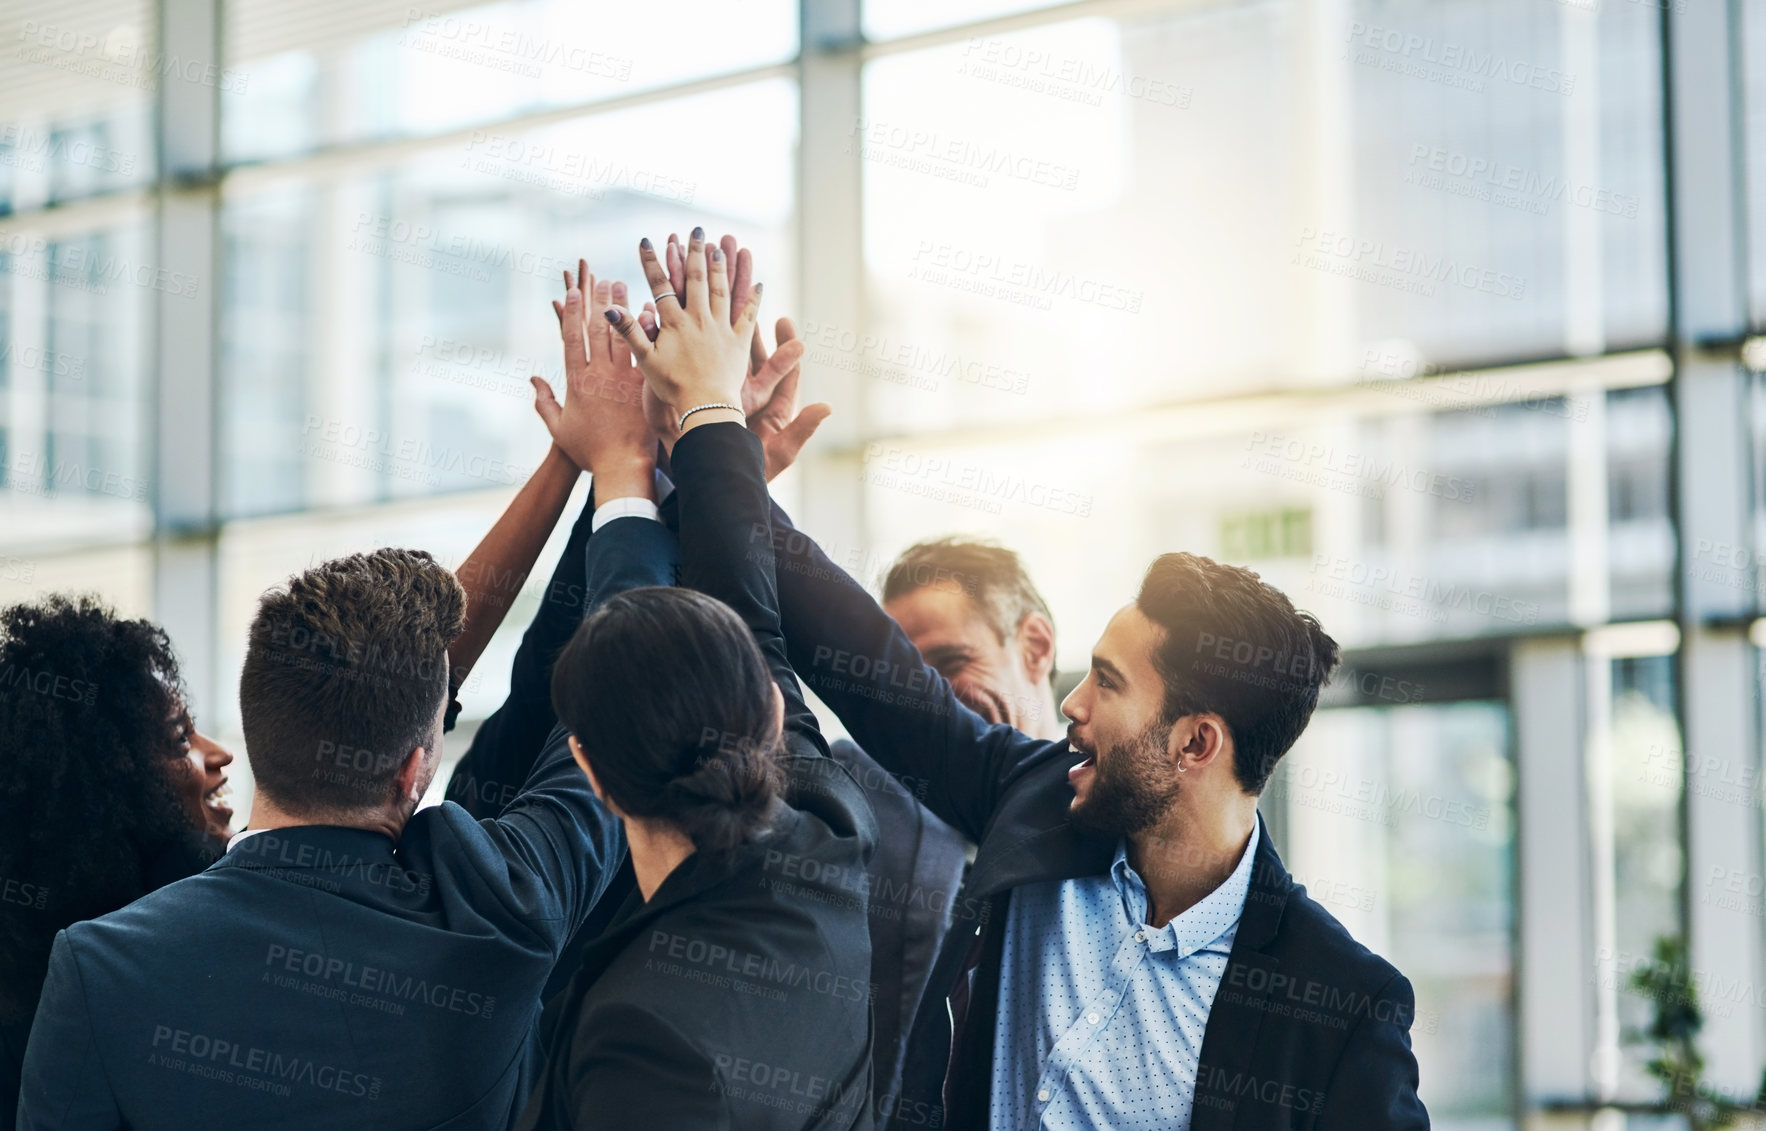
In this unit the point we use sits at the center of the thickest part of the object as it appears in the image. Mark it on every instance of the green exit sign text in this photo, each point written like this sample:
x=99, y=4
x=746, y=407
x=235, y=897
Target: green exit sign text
x=1254, y=535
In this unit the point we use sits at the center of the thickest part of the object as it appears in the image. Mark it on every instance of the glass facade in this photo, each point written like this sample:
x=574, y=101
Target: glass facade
x=1403, y=817
x=1386, y=299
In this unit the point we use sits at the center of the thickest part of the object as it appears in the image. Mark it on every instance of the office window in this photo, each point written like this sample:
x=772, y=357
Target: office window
x=892, y=19
x=338, y=71
x=1392, y=519
x=77, y=84
x=1097, y=214
x=380, y=328
x=1751, y=23
x=74, y=394
x=1638, y=847
x=1400, y=822
x=122, y=576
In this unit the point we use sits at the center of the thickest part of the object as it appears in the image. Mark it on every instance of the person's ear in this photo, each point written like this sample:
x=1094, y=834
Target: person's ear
x=778, y=710
x=1197, y=741
x=412, y=779
x=1036, y=647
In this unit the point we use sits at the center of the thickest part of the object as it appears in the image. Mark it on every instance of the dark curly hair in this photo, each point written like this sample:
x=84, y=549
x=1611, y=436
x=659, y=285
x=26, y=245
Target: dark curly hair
x=91, y=707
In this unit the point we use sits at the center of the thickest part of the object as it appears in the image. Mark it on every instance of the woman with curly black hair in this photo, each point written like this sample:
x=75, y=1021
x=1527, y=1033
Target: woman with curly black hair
x=107, y=791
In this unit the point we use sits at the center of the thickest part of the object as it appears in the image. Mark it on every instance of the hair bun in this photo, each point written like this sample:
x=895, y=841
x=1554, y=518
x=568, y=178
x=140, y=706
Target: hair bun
x=722, y=802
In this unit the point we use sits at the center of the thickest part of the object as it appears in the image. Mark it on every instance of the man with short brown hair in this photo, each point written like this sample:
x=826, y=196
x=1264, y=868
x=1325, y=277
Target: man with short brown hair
x=1136, y=939
x=346, y=684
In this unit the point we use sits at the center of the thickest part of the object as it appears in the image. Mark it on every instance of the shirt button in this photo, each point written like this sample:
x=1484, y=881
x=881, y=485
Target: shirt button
x=1042, y=1096
x=1092, y=1018
x=1140, y=936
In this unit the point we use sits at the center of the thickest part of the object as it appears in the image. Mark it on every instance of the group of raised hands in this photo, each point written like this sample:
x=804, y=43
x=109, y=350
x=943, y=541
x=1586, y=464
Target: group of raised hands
x=694, y=351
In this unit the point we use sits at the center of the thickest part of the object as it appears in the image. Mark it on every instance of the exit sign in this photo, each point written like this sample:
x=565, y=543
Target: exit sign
x=1256, y=535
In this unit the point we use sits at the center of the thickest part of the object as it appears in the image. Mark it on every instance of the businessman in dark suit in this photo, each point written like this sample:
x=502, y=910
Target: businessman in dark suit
x=1136, y=955
x=351, y=961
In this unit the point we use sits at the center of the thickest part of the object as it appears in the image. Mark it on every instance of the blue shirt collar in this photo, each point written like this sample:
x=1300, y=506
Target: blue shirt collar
x=1199, y=927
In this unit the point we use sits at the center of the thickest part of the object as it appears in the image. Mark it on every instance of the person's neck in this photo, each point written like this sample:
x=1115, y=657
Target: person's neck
x=1185, y=857
x=267, y=815
x=657, y=850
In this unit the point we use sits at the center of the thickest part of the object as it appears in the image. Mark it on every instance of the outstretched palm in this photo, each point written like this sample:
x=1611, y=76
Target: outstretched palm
x=602, y=417
x=769, y=394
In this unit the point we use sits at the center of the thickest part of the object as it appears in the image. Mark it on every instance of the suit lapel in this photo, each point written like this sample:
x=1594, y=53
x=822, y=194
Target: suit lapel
x=1229, y=1043
x=1230, y=1040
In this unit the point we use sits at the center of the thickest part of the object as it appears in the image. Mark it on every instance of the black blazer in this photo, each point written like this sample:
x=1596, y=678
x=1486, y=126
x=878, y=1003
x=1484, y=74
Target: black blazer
x=1309, y=1029
x=329, y=977
x=738, y=995
x=913, y=881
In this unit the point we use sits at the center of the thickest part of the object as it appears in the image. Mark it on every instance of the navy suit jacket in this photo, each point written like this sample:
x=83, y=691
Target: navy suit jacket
x=1310, y=1029
x=328, y=977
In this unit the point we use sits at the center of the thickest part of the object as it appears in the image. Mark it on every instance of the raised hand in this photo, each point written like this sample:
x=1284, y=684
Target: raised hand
x=771, y=390
x=769, y=395
x=601, y=424
x=700, y=353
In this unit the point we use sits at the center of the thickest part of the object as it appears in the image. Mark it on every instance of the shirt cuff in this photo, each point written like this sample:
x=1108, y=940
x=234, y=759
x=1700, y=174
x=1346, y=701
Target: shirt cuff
x=630, y=507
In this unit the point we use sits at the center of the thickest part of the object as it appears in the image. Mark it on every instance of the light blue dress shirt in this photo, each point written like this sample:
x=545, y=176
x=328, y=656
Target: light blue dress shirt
x=1101, y=1016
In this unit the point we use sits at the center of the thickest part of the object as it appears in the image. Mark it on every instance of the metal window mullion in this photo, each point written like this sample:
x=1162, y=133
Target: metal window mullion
x=183, y=386
x=1711, y=466
x=1558, y=1011
x=830, y=255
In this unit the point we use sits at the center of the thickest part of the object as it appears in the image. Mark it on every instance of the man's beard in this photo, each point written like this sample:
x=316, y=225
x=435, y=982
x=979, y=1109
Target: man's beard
x=1132, y=787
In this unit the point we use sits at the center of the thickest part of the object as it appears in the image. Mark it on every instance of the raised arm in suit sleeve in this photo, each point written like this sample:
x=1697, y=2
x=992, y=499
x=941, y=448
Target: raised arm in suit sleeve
x=560, y=844
x=64, y=1084
x=1375, y=1085
x=727, y=550
x=850, y=652
x=504, y=750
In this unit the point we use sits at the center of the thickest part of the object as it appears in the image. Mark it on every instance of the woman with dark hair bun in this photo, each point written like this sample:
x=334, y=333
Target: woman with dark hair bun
x=732, y=988
x=107, y=790
x=649, y=742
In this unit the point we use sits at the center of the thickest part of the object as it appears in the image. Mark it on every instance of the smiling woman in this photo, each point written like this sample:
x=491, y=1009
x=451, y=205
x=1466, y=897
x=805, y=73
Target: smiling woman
x=107, y=791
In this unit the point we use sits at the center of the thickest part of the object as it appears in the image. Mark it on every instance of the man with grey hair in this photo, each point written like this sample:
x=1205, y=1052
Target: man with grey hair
x=974, y=614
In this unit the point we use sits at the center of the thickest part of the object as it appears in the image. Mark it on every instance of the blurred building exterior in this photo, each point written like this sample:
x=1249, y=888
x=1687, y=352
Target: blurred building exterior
x=1438, y=313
